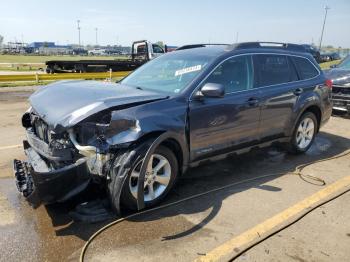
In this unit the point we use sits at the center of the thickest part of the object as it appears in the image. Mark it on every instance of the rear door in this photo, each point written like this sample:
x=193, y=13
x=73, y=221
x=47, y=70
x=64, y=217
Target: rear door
x=274, y=77
x=218, y=125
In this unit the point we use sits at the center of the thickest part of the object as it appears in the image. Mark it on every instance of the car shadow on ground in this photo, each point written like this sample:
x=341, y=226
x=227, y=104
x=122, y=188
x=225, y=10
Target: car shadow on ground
x=235, y=169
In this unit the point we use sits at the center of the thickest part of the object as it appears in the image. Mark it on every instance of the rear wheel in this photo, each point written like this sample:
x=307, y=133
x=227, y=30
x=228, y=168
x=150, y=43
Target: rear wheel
x=304, y=133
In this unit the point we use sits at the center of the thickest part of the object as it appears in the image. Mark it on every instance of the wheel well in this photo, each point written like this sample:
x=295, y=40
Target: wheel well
x=175, y=147
x=170, y=143
x=317, y=112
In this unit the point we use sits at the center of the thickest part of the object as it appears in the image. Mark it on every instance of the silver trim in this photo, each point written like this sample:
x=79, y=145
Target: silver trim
x=251, y=54
x=84, y=150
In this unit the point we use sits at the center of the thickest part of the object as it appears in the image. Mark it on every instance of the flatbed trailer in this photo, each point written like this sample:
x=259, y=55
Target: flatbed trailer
x=141, y=52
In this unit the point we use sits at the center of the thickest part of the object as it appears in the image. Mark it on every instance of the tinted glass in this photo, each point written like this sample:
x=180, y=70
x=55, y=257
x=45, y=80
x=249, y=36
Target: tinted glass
x=235, y=74
x=306, y=69
x=272, y=70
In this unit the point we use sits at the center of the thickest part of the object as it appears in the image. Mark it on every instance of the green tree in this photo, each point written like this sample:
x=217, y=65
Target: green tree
x=1, y=40
x=160, y=43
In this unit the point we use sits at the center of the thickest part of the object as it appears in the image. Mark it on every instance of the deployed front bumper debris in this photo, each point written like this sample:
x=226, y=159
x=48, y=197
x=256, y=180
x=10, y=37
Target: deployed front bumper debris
x=50, y=185
x=24, y=180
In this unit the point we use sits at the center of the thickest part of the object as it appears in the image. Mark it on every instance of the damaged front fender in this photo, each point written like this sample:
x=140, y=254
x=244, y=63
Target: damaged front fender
x=123, y=164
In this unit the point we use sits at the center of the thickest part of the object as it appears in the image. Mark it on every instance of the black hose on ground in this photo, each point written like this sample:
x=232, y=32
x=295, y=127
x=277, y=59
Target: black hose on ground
x=297, y=171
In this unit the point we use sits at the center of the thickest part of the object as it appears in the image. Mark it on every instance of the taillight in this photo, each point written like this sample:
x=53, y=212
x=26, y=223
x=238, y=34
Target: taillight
x=329, y=83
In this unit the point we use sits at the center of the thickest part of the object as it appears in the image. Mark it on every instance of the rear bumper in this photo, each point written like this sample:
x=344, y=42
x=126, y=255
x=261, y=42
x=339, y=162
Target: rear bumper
x=49, y=185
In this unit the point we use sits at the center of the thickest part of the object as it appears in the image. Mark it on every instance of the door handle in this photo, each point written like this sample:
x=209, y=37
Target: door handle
x=298, y=91
x=253, y=101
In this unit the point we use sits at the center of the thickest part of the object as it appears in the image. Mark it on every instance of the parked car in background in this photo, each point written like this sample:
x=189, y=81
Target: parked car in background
x=340, y=76
x=79, y=51
x=97, y=51
x=313, y=51
x=182, y=109
x=326, y=57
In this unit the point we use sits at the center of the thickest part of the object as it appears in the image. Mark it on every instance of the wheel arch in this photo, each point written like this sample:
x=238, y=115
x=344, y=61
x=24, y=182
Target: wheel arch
x=315, y=109
x=172, y=141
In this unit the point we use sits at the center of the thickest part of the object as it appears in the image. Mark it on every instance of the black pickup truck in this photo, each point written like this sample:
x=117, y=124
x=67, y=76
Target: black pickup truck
x=141, y=52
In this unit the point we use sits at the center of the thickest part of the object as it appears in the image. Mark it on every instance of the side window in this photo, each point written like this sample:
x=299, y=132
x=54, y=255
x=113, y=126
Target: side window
x=306, y=69
x=273, y=70
x=235, y=74
x=157, y=49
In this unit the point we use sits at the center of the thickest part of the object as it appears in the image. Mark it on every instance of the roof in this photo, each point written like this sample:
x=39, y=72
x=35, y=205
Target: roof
x=244, y=46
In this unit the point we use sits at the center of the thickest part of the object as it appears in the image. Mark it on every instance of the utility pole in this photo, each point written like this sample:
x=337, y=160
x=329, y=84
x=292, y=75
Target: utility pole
x=96, y=29
x=78, y=21
x=324, y=23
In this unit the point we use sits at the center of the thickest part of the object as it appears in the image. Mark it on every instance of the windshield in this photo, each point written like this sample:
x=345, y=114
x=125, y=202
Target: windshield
x=345, y=64
x=169, y=73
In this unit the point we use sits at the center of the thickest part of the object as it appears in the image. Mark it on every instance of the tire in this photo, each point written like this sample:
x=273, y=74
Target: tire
x=129, y=190
x=305, y=130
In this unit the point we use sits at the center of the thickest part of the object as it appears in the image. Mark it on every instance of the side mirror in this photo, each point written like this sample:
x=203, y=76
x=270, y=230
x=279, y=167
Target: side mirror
x=213, y=90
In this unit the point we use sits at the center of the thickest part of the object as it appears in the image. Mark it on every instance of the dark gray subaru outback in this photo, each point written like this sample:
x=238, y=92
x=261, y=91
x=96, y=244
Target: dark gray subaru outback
x=137, y=136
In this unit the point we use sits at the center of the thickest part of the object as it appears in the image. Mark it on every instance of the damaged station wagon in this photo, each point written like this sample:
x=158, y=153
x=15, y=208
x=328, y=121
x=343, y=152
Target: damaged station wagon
x=136, y=137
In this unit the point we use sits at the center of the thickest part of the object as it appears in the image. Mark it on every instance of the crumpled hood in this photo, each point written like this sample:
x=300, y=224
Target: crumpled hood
x=338, y=76
x=66, y=103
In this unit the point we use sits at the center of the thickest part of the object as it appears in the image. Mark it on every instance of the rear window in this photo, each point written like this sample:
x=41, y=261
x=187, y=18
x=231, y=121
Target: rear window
x=306, y=69
x=273, y=70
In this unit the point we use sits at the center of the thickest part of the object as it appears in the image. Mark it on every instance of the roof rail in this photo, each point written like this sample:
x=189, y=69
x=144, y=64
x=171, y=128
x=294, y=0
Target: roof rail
x=198, y=45
x=287, y=46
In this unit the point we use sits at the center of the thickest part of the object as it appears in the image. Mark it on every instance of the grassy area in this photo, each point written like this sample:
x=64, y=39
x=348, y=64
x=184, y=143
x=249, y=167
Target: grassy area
x=24, y=83
x=44, y=82
x=327, y=65
x=43, y=59
x=21, y=68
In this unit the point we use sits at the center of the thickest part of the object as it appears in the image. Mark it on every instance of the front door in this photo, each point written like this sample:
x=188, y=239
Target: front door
x=219, y=125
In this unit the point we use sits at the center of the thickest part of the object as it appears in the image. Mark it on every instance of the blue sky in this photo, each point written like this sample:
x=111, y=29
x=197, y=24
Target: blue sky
x=175, y=22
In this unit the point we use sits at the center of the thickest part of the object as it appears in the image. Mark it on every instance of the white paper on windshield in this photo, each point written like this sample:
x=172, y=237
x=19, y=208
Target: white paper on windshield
x=188, y=70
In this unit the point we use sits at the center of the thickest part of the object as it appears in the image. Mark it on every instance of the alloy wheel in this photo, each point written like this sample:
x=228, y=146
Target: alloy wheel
x=305, y=133
x=157, y=177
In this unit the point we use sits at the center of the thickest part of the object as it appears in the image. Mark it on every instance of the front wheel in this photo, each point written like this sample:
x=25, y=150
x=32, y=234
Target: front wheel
x=160, y=177
x=304, y=133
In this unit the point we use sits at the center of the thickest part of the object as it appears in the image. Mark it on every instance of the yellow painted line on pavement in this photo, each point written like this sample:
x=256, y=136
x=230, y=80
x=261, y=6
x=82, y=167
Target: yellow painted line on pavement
x=233, y=246
x=10, y=147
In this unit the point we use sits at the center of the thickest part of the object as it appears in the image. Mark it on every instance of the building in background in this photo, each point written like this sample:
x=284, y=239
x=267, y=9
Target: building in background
x=49, y=48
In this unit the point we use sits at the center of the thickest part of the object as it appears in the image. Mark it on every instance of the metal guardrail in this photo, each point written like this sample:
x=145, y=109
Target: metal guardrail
x=62, y=76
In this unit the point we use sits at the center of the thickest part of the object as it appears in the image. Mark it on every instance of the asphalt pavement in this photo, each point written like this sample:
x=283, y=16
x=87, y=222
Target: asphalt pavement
x=191, y=229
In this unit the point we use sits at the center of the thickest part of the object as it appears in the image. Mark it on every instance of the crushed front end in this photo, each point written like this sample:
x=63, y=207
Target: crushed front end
x=57, y=166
